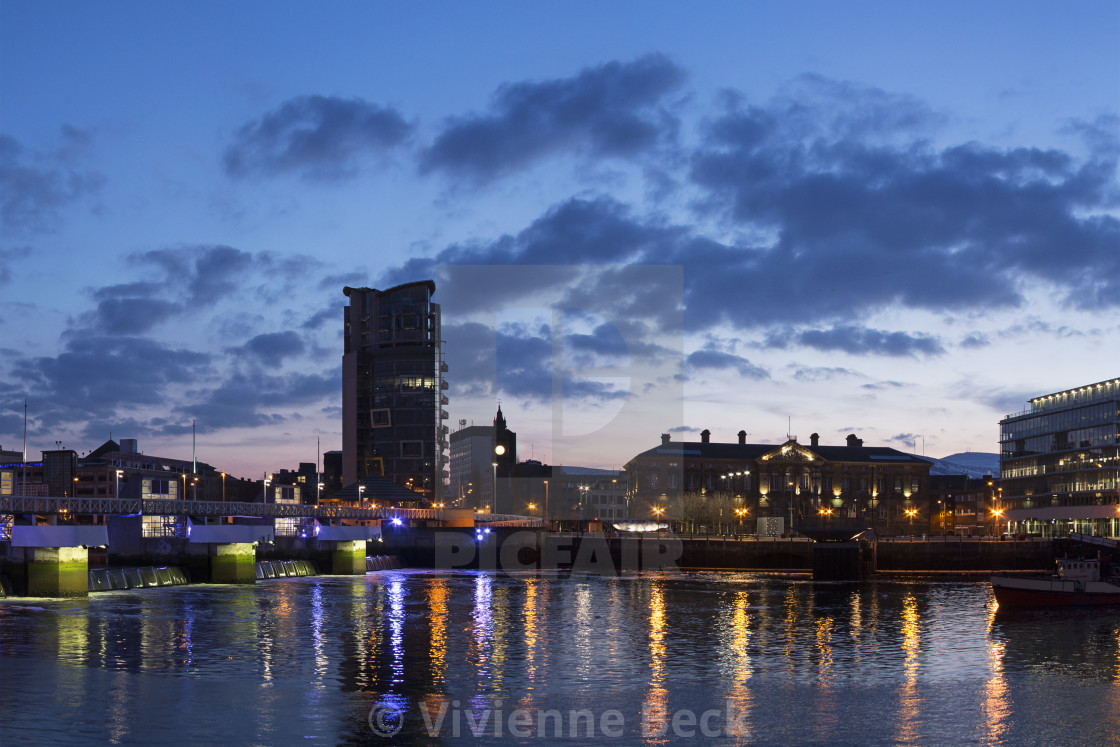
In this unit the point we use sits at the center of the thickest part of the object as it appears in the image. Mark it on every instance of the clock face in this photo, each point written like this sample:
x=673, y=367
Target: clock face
x=499, y=450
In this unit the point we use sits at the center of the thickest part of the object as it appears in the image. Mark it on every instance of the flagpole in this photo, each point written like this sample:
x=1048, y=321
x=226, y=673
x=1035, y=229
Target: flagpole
x=25, y=447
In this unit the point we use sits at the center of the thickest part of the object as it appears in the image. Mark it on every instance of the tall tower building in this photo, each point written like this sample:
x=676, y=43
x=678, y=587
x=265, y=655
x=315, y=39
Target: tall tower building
x=393, y=390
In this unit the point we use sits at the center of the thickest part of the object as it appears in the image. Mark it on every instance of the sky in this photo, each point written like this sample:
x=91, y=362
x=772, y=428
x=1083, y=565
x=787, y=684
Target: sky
x=898, y=220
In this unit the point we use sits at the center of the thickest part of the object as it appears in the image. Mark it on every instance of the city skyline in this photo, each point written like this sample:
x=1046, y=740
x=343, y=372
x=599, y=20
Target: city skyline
x=894, y=222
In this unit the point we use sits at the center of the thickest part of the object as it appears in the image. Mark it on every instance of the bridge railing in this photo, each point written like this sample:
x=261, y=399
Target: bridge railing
x=164, y=507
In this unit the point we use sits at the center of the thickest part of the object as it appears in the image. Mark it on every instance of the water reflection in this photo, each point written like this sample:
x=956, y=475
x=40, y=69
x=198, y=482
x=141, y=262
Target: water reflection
x=437, y=632
x=909, y=698
x=655, y=708
x=793, y=661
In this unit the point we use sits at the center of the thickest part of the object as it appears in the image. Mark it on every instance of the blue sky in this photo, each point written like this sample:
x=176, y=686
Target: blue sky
x=893, y=219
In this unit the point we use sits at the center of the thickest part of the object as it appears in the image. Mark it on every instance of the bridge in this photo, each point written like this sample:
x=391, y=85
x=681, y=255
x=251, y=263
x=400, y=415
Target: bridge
x=72, y=507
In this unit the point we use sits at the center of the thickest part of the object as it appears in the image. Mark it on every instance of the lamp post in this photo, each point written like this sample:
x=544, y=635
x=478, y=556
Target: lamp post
x=996, y=514
x=546, y=500
x=494, y=482
x=117, y=494
x=184, y=496
x=361, y=489
x=267, y=482
x=223, y=487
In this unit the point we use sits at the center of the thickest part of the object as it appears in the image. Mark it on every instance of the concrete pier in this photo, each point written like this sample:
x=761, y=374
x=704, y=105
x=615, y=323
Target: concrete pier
x=55, y=559
x=57, y=571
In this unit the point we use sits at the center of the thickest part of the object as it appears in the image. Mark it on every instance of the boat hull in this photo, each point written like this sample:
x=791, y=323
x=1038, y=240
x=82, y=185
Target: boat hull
x=1022, y=592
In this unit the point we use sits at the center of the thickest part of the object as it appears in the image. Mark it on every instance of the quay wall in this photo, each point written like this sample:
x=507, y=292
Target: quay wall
x=522, y=549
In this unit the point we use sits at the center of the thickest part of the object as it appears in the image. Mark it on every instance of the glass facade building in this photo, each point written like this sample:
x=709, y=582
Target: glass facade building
x=393, y=390
x=1060, y=463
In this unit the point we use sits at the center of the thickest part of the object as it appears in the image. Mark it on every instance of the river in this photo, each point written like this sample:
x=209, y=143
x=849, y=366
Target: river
x=433, y=657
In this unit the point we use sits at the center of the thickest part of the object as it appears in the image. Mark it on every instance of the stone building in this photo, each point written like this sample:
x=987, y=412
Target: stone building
x=795, y=483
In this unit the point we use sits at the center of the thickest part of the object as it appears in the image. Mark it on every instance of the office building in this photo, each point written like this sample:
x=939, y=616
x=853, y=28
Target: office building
x=393, y=390
x=1059, y=463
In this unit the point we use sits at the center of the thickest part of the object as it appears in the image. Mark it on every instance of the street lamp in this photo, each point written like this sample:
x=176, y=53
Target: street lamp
x=910, y=512
x=361, y=489
x=223, y=487
x=184, y=496
x=996, y=514
x=118, y=492
x=267, y=482
x=546, y=500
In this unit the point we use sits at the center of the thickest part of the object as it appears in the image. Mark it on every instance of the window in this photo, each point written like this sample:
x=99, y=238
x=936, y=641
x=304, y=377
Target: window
x=380, y=418
x=412, y=448
x=159, y=487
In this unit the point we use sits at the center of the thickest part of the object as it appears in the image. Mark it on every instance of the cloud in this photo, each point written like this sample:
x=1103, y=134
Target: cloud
x=720, y=361
x=249, y=399
x=7, y=258
x=273, y=347
x=131, y=316
x=612, y=110
x=98, y=375
x=204, y=274
x=35, y=189
x=814, y=374
x=847, y=207
x=975, y=341
x=316, y=137
x=856, y=340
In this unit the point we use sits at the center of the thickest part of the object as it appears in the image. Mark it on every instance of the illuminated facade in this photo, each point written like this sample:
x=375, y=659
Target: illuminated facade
x=797, y=482
x=393, y=388
x=1059, y=463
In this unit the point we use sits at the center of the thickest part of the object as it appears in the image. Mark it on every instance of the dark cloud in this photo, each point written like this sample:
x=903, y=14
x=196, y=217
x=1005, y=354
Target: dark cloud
x=879, y=386
x=554, y=253
x=858, y=211
x=524, y=370
x=316, y=137
x=813, y=374
x=250, y=399
x=7, y=258
x=34, y=189
x=908, y=440
x=975, y=341
x=856, y=340
x=204, y=274
x=331, y=313
x=95, y=377
x=273, y=347
x=616, y=109
x=131, y=316
x=721, y=361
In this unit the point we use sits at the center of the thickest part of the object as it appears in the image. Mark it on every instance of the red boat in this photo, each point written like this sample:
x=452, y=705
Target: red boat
x=1076, y=584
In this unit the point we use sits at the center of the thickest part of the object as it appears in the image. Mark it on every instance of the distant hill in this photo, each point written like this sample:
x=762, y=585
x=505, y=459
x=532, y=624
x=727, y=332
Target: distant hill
x=971, y=463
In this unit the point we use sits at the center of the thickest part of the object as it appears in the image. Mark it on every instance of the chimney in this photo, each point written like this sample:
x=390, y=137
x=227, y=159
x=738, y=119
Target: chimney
x=854, y=442
x=814, y=439
x=705, y=436
x=664, y=438
x=742, y=438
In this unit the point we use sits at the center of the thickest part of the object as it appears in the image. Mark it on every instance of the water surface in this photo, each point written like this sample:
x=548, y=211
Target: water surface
x=429, y=657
